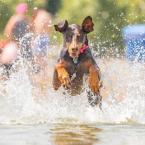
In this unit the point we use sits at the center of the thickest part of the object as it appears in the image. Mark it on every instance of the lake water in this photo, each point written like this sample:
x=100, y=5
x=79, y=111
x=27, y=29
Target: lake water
x=59, y=119
x=72, y=134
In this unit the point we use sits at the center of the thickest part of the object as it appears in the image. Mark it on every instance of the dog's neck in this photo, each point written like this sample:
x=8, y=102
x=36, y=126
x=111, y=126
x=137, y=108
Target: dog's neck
x=75, y=60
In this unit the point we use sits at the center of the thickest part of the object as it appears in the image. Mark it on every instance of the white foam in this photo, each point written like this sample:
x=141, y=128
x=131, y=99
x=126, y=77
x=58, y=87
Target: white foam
x=123, y=92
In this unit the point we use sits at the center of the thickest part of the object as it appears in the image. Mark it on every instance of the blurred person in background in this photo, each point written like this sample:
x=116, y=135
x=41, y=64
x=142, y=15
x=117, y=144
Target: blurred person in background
x=15, y=29
x=8, y=55
x=40, y=46
x=42, y=27
x=18, y=29
x=18, y=25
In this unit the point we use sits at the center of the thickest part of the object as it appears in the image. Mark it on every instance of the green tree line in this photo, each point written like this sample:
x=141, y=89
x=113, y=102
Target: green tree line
x=109, y=16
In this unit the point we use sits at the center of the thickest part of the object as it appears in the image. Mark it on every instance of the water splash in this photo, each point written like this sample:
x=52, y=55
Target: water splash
x=123, y=94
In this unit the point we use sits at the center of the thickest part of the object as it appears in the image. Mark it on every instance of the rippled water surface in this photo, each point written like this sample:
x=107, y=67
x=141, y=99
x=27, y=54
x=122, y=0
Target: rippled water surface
x=72, y=134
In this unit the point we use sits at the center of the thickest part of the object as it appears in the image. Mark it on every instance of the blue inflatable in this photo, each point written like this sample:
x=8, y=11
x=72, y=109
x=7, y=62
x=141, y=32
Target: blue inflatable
x=134, y=39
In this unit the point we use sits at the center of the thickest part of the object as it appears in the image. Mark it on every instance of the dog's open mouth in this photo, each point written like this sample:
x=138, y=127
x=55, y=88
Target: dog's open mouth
x=73, y=55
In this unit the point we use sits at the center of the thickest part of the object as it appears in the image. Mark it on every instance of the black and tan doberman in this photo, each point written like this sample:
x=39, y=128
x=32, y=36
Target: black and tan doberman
x=76, y=60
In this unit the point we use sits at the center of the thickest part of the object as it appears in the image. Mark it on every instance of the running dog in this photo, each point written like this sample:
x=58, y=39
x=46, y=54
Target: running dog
x=76, y=60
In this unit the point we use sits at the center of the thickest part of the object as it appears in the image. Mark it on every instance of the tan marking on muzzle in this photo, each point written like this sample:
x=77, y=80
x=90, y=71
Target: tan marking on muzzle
x=74, y=45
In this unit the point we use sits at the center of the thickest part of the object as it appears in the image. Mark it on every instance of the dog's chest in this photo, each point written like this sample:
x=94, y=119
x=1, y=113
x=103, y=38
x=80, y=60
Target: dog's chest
x=76, y=67
x=72, y=67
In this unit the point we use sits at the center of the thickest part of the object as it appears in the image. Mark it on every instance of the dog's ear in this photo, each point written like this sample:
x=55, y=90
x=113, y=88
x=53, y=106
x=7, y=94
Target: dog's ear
x=87, y=25
x=62, y=26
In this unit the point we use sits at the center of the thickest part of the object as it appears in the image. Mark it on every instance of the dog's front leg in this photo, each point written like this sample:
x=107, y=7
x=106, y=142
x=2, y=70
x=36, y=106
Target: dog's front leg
x=56, y=81
x=63, y=75
x=94, y=79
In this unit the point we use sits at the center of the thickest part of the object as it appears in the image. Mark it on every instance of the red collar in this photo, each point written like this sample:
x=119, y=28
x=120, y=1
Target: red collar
x=83, y=48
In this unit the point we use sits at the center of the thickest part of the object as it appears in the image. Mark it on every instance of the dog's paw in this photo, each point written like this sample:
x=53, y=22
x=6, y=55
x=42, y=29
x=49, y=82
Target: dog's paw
x=64, y=78
x=94, y=99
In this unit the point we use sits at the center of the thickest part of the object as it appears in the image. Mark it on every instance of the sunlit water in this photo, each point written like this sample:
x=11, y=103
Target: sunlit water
x=53, y=118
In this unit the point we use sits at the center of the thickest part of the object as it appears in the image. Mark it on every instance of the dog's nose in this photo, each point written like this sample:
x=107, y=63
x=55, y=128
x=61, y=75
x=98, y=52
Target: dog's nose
x=74, y=49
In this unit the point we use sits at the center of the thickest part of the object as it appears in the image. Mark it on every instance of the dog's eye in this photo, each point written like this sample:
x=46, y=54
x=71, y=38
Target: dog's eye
x=79, y=38
x=69, y=37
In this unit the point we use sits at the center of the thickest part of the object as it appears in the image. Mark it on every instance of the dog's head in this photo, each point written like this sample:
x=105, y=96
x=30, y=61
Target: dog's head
x=75, y=36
